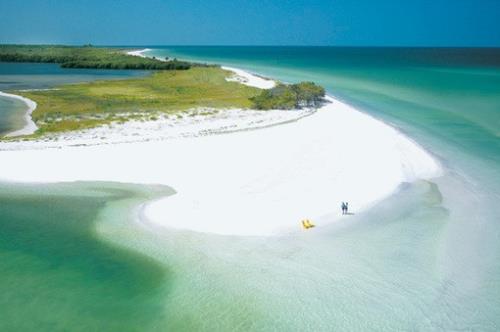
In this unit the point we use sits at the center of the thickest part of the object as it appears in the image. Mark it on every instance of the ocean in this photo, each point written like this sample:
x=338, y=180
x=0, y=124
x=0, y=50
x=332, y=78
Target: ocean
x=426, y=258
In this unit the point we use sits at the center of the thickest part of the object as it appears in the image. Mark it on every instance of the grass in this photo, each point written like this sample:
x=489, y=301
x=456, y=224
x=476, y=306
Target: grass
x=87, y=105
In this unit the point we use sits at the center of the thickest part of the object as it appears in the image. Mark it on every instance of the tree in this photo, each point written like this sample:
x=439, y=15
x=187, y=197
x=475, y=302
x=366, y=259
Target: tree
x=304, y=94
x=308, y=93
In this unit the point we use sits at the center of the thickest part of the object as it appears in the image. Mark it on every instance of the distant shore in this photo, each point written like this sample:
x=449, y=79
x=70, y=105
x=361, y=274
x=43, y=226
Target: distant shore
x=240, y=76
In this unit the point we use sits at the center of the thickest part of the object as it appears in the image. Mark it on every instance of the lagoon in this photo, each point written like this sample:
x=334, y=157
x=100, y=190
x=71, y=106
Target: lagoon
x=22, y=76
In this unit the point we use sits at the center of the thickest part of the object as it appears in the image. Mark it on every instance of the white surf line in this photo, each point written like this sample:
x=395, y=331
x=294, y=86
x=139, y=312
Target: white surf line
x=139, y=53
x=30, y=126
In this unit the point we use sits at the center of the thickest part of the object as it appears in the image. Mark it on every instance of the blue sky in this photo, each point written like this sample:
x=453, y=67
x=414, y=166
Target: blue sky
x=252, y=22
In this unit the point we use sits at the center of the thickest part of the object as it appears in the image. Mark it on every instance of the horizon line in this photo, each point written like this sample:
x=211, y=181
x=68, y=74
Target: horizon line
x=251, y=45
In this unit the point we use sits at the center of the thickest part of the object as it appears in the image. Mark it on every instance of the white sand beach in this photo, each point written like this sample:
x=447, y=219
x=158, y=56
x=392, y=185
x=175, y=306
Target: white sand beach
x=249, y=79
x=192, y=123
x=247, y=182
x=29, y=127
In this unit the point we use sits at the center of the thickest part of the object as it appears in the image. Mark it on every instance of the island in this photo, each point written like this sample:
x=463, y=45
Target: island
x=172, y=88
x=249, y=154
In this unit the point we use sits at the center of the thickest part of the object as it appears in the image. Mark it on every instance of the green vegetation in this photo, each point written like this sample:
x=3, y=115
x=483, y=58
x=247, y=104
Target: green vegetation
x=86, y=105
x=304, y=94
x=178, y=87
x=86, y=57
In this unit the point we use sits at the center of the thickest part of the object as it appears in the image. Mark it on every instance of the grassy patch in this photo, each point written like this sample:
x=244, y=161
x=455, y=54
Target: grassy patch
x=87, y=105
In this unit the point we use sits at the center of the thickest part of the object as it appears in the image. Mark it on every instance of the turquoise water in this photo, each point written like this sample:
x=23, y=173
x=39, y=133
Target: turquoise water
x=20, y=76
x=57, y=275
x=427, y=258
x=423, y=88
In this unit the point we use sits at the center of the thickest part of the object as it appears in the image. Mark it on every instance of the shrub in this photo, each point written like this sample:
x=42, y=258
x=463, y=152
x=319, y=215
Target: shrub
x=304, y=94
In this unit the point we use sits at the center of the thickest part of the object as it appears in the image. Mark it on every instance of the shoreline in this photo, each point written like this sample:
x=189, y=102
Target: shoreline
x=239, y=75
x=414, y=164
x=260, y=179
x=252, y=182
x=30, y=126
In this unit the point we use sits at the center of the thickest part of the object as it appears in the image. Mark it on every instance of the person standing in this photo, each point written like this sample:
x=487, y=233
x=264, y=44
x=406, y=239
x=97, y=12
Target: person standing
x=346, y=207
x=343, y=208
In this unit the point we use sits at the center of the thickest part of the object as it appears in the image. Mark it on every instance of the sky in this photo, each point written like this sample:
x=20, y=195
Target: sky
x=252, y=22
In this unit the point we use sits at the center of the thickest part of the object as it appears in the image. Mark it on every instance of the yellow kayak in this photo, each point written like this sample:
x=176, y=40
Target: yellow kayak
x=306, y=223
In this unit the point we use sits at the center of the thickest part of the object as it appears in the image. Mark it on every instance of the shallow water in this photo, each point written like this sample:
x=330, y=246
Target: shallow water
x=427, y=258
x=57, y=274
